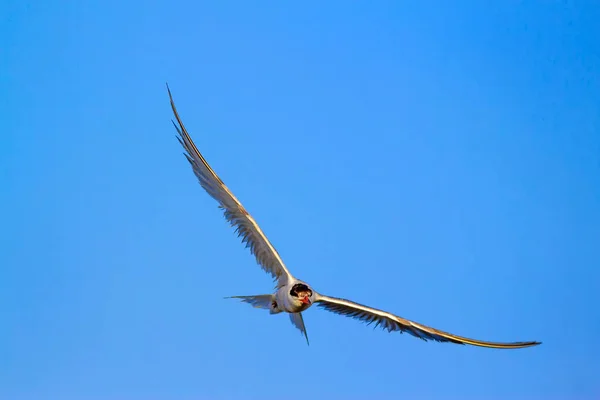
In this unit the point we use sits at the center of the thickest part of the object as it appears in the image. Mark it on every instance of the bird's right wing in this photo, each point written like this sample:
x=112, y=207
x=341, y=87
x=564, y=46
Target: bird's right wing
x=392, y=322
x=235, y=213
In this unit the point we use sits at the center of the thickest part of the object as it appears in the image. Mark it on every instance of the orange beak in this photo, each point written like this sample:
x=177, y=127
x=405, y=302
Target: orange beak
x=306, y=300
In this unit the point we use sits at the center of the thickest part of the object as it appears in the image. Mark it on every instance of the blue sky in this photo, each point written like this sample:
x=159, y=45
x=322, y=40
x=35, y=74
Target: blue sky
x=438, y=161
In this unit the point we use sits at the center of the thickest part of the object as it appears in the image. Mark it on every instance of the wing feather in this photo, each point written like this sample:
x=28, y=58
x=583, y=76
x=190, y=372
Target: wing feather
x=392, y=322
x=235, y=213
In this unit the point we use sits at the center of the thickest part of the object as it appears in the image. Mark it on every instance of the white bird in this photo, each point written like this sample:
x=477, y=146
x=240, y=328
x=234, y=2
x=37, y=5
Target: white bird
x=292, y=295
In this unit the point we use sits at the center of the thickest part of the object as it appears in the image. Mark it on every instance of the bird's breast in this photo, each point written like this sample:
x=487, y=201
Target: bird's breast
x=288, y=303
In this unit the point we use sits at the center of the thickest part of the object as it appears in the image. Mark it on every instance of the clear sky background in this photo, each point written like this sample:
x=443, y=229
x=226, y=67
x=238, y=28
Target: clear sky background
x=440, y=161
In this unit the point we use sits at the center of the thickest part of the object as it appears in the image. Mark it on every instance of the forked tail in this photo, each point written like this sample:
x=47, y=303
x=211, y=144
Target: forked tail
x=267, y=301
x=259, y=301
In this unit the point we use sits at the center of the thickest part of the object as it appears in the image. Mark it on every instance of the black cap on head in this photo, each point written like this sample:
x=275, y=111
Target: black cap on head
x=299, y=287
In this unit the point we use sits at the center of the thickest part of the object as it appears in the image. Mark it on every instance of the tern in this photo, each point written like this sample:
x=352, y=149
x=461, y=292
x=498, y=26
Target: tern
x=292, y=295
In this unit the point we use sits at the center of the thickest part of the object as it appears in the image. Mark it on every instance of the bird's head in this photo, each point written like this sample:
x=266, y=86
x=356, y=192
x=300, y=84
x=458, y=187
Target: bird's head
x=302, y=292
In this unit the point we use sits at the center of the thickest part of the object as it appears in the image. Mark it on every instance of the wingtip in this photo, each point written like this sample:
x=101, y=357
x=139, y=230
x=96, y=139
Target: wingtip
x=169, y=91
x=519, y=345
x=524, y=345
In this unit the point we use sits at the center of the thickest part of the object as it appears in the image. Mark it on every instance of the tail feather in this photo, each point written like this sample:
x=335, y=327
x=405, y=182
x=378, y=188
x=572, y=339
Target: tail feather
x=267, y=302
x=298, y=322
x=259, y=301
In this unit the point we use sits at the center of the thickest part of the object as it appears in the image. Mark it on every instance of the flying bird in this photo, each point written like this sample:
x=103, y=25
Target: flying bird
x=292, y=295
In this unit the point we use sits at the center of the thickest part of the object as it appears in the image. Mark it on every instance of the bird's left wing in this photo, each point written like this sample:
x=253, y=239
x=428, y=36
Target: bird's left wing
x=392, y=322
x=235, y=213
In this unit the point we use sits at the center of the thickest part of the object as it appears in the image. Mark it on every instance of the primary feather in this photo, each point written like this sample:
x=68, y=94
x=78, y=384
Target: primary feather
x=393, y=323
x=246, y=227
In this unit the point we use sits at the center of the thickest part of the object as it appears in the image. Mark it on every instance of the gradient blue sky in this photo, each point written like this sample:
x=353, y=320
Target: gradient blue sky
x=436, y=160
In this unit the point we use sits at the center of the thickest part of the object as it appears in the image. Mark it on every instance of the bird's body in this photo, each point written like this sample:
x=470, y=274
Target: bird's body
x=293, y=296
x=287, y=298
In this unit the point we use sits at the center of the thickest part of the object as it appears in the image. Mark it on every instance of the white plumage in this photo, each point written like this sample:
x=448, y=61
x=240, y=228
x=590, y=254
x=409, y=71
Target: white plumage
x=292, y=295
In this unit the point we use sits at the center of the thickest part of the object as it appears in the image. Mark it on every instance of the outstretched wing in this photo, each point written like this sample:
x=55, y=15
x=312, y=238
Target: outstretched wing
x=298, y=322
x=235, y=213
x=392, y=322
